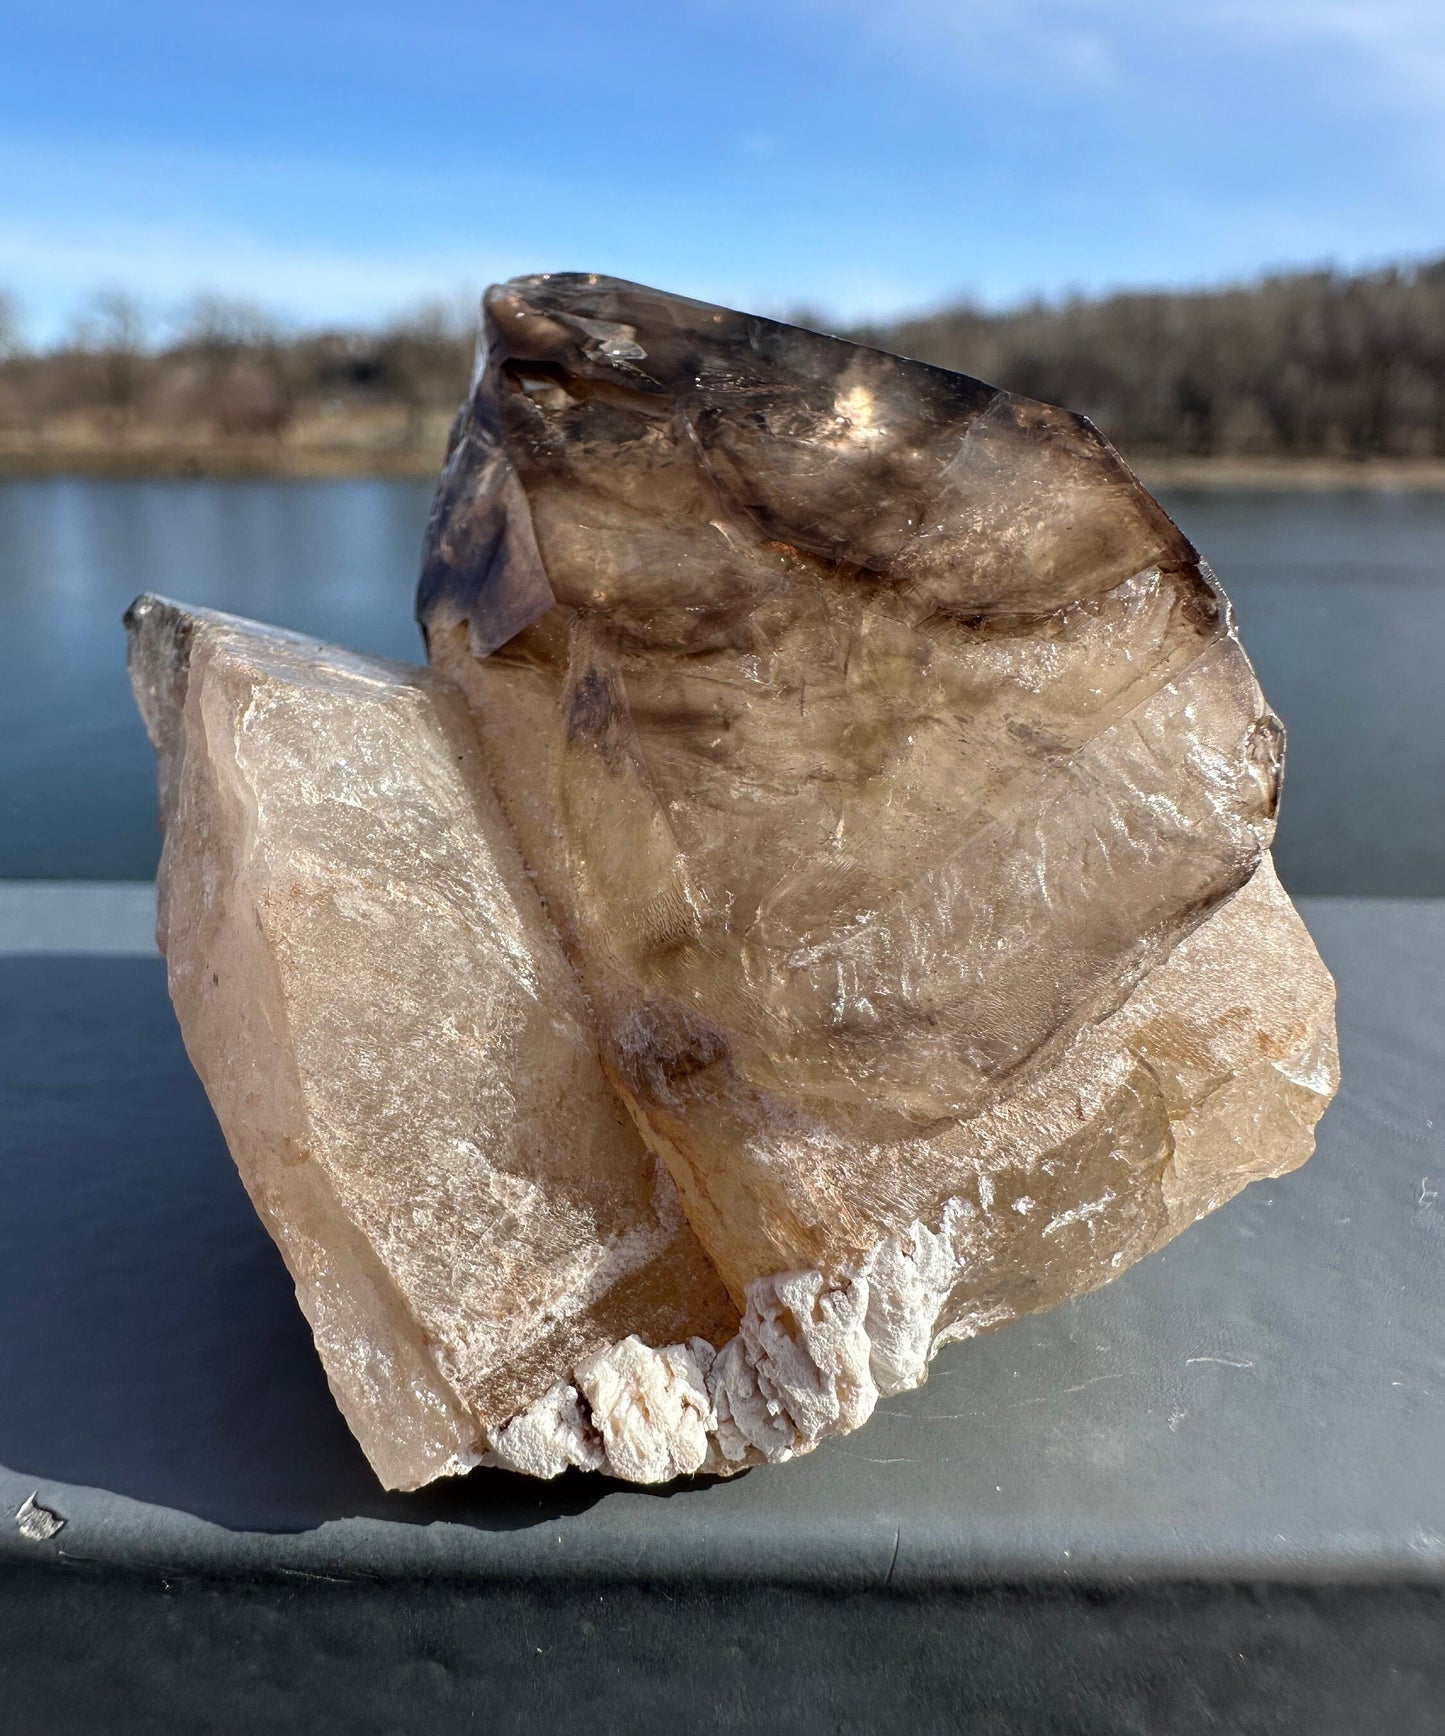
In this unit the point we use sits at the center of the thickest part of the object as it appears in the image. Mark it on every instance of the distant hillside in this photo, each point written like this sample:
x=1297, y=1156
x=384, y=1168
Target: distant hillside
x=1314, y=364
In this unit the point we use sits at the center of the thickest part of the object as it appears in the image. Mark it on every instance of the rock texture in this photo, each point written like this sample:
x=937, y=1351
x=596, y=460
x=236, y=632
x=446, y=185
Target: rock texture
x=820, y=906
x=875, y=739
x=400, y=1057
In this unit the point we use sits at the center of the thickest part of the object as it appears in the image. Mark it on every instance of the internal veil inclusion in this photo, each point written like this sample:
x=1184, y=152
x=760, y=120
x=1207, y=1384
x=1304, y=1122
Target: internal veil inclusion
x=816, y=904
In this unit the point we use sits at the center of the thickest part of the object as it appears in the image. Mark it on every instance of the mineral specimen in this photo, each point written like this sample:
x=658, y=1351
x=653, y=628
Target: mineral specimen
x=818, y=907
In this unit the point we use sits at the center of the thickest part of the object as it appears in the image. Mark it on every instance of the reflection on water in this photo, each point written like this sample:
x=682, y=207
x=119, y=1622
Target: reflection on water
x=1341, y=599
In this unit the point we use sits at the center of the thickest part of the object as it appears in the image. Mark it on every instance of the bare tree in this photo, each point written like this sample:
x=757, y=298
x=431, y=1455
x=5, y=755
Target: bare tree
x=248, y=382
x=222, y=326
x=422, y=358
x=12, y=327
x=115, y=326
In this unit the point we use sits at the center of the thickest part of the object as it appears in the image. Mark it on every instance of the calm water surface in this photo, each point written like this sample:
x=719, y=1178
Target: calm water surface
x=1340, y=597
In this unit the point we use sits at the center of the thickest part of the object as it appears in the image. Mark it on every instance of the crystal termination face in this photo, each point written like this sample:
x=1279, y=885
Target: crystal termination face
x=817, y=907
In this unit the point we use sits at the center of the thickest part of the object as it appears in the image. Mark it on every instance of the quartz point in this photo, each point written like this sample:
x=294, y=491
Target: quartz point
x=816, y=906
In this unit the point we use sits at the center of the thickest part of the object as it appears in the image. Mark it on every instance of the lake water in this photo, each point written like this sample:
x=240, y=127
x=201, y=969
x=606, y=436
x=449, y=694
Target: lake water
x=1340, y=597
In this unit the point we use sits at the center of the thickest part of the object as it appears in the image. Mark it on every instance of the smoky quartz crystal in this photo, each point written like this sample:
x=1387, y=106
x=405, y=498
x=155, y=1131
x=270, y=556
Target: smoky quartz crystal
x=816, y=906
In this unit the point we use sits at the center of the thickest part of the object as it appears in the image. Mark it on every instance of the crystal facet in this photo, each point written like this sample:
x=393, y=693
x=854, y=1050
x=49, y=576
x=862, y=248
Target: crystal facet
x=399, y=1054
x=819, y=907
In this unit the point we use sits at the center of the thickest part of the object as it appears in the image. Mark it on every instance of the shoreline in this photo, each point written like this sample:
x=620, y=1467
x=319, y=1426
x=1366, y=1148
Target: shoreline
x=1384, y=475
x=231, y=461
x=266, y=459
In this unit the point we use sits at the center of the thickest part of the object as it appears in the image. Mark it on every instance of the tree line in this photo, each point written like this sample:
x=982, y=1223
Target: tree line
x=1317, y=363
x=227, y=367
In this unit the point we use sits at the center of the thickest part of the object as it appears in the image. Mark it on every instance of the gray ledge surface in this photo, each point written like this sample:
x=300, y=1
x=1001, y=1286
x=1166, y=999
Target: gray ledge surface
x=108, y=917
x=1265, y=1399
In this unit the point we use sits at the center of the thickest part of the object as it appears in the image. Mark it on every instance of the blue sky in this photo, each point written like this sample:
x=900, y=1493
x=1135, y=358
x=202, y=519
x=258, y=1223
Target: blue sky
x=340, y=162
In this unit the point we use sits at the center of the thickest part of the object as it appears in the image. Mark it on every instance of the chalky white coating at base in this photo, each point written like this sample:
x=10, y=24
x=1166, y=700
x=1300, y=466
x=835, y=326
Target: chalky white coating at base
x=549, y=1437
x=651, y=1407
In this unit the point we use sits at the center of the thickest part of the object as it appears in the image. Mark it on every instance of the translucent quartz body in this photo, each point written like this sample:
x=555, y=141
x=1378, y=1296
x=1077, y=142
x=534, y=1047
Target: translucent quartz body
x=398, y=1053
x=819, y=906
x=873, y=736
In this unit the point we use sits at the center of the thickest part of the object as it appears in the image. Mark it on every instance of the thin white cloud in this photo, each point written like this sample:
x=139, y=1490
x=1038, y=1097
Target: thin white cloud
x=1088, y=45
x=1399, y=41
x=166, y=224
x=168, y=265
